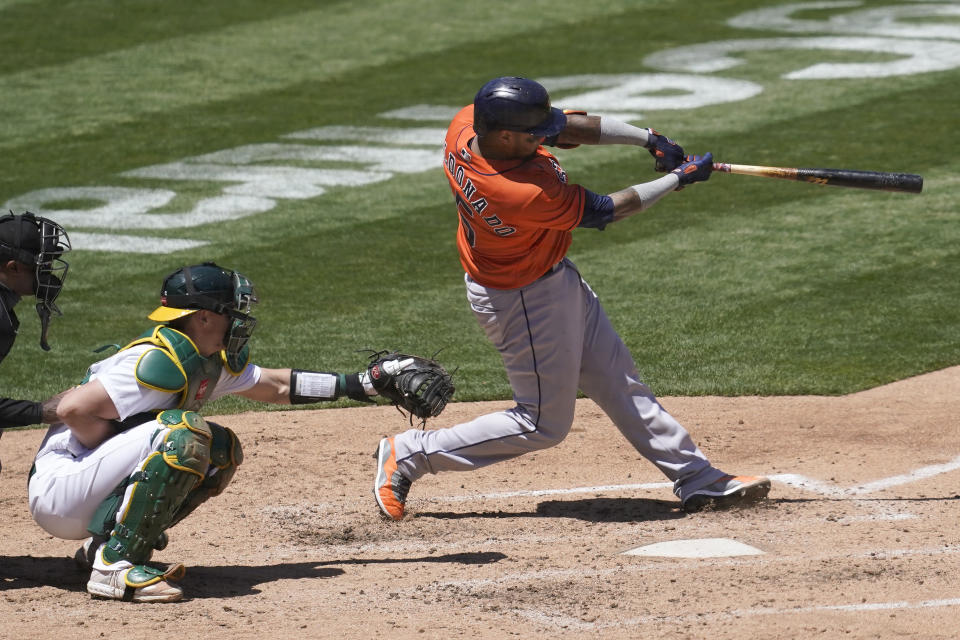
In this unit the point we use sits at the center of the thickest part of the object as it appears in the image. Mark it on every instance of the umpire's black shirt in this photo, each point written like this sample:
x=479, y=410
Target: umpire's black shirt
x=13, y=413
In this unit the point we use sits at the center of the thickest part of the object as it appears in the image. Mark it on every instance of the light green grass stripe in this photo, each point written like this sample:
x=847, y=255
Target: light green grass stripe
x=126, y=85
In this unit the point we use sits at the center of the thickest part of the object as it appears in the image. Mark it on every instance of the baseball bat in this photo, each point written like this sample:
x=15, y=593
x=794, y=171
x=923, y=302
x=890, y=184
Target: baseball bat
x=856, y=179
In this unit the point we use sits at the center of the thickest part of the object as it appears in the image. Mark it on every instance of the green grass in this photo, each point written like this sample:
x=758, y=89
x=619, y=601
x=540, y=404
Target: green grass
x=737, y=286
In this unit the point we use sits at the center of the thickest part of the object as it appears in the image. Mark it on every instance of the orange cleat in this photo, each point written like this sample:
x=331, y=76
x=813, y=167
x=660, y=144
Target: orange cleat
x=390, y=487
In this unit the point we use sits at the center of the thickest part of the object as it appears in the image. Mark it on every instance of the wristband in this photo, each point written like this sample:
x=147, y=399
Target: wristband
x=352, y=387
x=312, y=386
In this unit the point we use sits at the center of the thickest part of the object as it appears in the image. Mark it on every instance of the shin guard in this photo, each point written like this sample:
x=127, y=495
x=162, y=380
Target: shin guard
x=159, y=486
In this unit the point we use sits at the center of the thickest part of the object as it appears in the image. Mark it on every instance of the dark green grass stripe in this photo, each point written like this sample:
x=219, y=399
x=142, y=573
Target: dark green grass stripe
x=320, y=44
x=51, y=32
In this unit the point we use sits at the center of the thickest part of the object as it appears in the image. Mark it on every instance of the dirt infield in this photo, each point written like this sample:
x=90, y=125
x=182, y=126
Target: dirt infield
x=859, y=538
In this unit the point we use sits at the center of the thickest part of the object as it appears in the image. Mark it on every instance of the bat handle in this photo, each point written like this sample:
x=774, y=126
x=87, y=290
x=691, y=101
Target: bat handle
x=721, y=166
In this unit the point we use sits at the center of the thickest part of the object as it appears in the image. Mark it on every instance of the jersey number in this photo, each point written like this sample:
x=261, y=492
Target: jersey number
x=467, y=212
x=464, y=209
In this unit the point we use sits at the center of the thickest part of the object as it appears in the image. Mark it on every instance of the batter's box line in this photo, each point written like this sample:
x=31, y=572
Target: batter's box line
x=791, y=479
x=475, y=586
x=566, y=622
x=826, y=489
x=536, y=493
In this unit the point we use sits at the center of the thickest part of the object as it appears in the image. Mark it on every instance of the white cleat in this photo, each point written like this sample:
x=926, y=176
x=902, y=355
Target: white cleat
x=129, y=582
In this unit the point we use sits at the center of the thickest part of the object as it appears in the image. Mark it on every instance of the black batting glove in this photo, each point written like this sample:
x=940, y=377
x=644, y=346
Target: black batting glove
x=667, y=154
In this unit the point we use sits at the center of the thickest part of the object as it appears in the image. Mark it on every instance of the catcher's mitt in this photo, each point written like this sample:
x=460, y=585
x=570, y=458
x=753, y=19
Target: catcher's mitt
x=420, y=386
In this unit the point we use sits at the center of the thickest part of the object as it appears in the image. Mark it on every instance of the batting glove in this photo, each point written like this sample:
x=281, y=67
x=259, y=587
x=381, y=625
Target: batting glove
x=668, y=155
x=694, y=169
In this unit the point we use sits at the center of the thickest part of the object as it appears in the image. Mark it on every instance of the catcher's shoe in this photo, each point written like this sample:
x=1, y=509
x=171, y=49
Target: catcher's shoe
x=390, y=487
x=728, y=491
x=130, y=582
x=85, y=554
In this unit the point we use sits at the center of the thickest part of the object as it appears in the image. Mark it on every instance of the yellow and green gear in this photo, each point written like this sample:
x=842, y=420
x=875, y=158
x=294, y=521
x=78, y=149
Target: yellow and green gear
x=175, y=365
x=195, y=461
x=225, y=455
x=159, y=485
x=210, y=287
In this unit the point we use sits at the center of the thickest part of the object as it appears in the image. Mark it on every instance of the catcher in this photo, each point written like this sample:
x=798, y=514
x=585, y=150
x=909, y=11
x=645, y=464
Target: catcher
x=131, y=455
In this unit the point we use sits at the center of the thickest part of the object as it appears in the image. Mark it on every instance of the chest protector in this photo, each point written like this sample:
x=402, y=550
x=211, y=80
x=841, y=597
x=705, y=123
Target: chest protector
x=174, y=365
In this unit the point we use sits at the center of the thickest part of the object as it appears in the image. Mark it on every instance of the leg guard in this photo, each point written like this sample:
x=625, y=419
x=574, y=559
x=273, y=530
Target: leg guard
x=225, y=455
x=159, y=486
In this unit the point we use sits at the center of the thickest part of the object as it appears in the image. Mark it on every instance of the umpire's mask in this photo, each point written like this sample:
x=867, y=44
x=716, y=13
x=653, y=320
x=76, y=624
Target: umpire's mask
x=40, y=243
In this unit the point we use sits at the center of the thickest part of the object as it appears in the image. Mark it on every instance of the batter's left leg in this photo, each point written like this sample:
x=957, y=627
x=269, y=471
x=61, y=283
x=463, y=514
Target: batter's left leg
x=609, y=377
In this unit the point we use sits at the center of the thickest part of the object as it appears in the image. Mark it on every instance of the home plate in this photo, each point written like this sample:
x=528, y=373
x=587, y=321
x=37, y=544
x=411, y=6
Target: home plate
x=704, y=548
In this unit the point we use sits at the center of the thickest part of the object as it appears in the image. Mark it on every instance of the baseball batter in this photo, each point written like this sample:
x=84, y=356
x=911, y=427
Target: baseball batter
x=517, y=212
x=131, y=456
x=31, y=264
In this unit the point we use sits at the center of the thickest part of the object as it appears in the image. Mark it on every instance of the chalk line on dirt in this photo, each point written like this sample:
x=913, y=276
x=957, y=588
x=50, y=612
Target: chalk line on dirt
x=802, y=482
x=792, y=479
x=671, y=567
x=567, y=622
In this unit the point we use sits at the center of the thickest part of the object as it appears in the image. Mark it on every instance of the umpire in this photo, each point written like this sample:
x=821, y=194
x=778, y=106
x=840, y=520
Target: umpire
x=31, y=264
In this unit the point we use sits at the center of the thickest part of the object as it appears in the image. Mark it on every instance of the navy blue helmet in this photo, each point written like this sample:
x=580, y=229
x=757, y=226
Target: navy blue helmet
x=516, y=104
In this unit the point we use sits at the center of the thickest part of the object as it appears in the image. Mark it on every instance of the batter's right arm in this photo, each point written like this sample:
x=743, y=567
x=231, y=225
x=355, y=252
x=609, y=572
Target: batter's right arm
x=641, y=197
x=587, y=129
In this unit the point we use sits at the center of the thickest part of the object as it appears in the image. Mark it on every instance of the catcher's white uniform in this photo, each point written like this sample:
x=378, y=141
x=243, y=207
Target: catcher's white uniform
x=69, y=481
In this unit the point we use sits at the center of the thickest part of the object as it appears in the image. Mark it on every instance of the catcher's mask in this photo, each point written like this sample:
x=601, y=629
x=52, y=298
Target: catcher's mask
x=40, y=243
x=211, y=287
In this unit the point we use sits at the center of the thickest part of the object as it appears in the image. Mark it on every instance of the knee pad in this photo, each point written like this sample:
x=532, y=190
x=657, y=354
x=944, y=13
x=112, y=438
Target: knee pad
x=187, y=445
x=159, y=486
x=225, y=454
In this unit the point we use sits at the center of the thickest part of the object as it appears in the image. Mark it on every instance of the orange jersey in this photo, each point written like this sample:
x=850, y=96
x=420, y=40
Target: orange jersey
x=516, y=216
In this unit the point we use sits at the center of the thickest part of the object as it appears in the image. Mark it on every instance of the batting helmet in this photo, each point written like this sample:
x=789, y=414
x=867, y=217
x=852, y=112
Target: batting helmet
x=40, y=243
x=211, y=287
x=516, y=104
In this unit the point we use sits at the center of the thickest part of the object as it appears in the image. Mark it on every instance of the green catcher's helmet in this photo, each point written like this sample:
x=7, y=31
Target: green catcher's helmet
x=211, y=287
